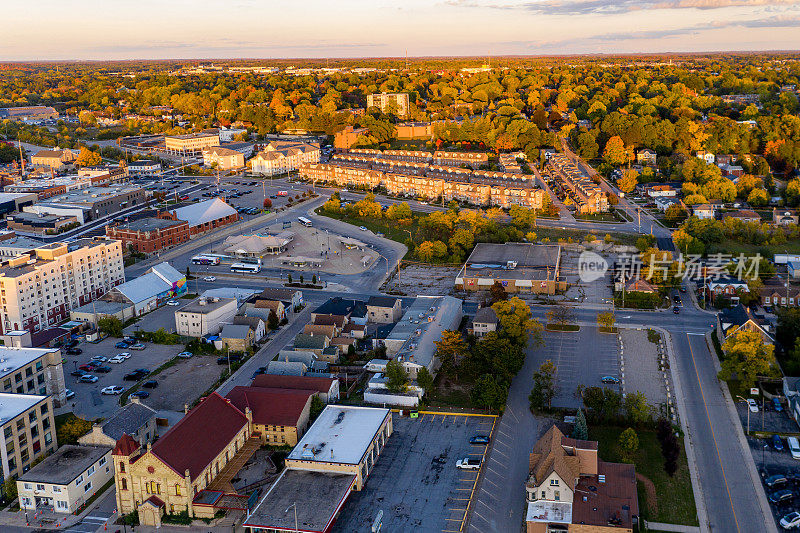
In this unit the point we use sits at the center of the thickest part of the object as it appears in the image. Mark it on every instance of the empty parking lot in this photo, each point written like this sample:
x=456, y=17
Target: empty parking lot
x=415, y=481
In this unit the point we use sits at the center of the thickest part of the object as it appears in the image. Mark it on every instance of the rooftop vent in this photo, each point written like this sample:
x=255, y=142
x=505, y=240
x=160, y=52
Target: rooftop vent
x=601, y=478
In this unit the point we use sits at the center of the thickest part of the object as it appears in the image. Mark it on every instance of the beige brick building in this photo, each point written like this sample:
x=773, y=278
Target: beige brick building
x=191, y=144
x=395, y=103
x=29, y=431
x=33, y=371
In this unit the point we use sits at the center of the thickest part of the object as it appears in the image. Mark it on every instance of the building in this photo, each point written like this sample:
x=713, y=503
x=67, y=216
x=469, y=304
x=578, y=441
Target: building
x=15, y=201
x=204, y=216
x=236, y=337
x=327, y=389
x=703, y=211
x=312, y=343
x=577, y=188
x=776, y=293
x=191, y=144
x=11, y=245
x=287, y=368
x=222, y=158
x=280, y=416
x=148, y=235
x=570, y=489
x=384, y=309
x=34, y=113
x=517, y=267
x=32, y=371
x=281, y=157
x=47, y=188
x=740, y=318
x=471, y=159
x=134, y=419
x=791, y=391
x=205, y=316
x=708, y=157
x=256, y=245
x=334, y=457
x=661, y=191
x=55, y=160
x=255, y=323
x=745, y=215
x=646, y=157
x=40, y=224
x=664, y=203
x=485, y=321
x=390, y=103
x=66, y=275
x=346, y=138
x=726, y=286
x=170, y=476
x=782, y=216
x=29, y=431
x=144, y=167
x=227, y=135
x=90, y=203
x=291, y=298
x=65, y=480
x=414, y=130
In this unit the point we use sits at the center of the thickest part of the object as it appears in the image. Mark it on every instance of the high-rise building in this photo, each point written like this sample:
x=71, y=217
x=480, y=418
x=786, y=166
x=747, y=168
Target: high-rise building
x=29, y=432
x=38, y=289
x=394, y=103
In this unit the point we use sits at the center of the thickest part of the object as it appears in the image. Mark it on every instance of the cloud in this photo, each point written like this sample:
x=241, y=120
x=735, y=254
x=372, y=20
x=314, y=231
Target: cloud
x=613, y=7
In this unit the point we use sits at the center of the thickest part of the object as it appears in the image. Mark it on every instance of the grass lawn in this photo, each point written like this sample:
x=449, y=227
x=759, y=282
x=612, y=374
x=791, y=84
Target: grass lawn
x=562, y=327
x=389, y=228
x=450, y=392
x=554, y=234
x=674, y=501
x=730, y=246
x=610, y=216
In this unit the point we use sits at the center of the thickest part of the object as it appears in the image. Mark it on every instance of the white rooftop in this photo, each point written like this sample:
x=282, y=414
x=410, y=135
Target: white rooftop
x=549, y=511
x=12, y=359
x=341, y=434
x=13, y=405
x=203, y=212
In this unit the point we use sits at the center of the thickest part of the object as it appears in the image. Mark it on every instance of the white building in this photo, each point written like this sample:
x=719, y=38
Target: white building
x=205, y=316
x=280, y=157
x=227, y=135
x=144, y=167
x=387, y=101
x=65, y=480
x=29, y=431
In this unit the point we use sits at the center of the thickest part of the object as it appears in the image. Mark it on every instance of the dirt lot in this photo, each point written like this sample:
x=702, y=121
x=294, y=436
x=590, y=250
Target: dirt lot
x=184, y=382
x=424, y=280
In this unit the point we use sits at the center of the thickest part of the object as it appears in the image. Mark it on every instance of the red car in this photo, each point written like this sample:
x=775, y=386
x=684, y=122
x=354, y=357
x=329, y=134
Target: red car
x=88, y=367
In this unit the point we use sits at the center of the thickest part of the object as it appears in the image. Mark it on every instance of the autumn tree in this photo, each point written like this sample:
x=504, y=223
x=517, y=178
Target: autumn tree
x=268, y=203
x=746, y=358
x=627, y=183
x=628, y=444
x=450, y=349
x=615, y=153
x=516, y=323
x=544, y=386
x=87, y=158
x=637, y=409
x=606, y=320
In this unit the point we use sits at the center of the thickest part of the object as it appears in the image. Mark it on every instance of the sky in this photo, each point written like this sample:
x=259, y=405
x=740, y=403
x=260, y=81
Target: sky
x=188, y=29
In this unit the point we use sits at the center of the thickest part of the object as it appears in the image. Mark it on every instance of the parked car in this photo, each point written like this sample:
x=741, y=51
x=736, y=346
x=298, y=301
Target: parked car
x=209, y=278
x=777, y=443
x=133, y=376
x=752, y=405
x=130, y=340
x=122, y=344
x=70, y=393
x=185, y=355
x=140, y=394
x=173, y=302
x=87, y=378
x=676, y=299
x=88, y=367
x=103, y=369
x=150, y=384
x=781, y=496
x=71, y=343
x=112, y=389
x=100, y=358
x=610, y=379
x=77, y=373
x=116, y=359
x=479, y=439
x=124, y=355
x=676, y=310
x=260, y=370
x=775, y=481
x=74, y=351
x=138, y=346
x=776, y=403
x=468, y=463
x=791, y=520
x=362, y=228
x=794, y=447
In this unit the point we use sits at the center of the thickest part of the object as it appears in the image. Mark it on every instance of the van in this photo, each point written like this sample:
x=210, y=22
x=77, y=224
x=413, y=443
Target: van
x=794, y=447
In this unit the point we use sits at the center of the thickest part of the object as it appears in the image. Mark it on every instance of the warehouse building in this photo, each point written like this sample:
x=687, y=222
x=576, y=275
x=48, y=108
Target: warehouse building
x=518, y=267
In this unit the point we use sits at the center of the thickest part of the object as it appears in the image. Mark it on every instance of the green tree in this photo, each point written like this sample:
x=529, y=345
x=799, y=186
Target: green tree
x=544, y=386
x=636, y=408
x=606, y=319
x=272, y=320
x=396, y=376
x=581, y=429
x=603, y=403
x=70, y=430
x=398, y=211
x=450, y=349
x=110, y=325
x=425, y=380
x=490, y=393
x=516, y=323
x=628, y=444
x=10, y=488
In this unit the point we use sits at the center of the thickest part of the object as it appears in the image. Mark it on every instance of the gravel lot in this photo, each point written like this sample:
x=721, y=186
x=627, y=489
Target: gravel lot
x=184, y=382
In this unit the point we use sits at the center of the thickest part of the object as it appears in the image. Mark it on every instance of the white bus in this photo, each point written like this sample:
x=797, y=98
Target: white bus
x=205, y=260
x=246, y=267
x=304, y=221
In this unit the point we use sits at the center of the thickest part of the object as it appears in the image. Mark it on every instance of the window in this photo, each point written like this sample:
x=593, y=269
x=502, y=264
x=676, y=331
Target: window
x=32, y=416
x=28, y=486
x=544, y=494
x=79, y=480
x=87, y=487
x=90, y=471
x=122, y=467
x=102, y=461
x=177, y=490
x=47, y=438
x=56, y=488
x=39, y=486
x=7, y=432
x=553, y=482
x=124, y=485
x=60, y=504
x=557, y=495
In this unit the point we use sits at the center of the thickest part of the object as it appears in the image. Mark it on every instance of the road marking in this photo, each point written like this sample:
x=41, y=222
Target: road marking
x=713, y=436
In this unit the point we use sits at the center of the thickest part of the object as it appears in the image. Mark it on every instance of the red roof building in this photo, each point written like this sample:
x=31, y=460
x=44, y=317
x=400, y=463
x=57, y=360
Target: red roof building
x=280, y=416
x=326, y=388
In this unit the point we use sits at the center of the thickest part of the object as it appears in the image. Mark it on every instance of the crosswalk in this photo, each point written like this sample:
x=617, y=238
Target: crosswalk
x=90, y=524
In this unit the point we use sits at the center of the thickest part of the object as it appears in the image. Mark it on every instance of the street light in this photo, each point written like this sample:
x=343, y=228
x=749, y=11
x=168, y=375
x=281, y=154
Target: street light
x=748, y=413
x=295, y=515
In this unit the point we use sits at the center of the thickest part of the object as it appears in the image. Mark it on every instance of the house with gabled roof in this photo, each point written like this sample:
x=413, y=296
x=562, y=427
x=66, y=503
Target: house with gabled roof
x=740, y=318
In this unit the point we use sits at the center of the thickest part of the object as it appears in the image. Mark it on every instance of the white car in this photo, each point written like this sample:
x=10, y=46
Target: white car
x=173, y=302
x=185, y=355
x=100, y=358
x=112, y=389
x=468, y=463
x=70, y=393
x=794, y=447
x=791, y=520
x=209, y=278
x=116, y=359
x=362, y=228
x=751, y=403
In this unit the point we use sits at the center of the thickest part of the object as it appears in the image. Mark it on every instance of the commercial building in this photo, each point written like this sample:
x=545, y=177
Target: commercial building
x=205, y=316
x=227, y=135
x=134, y=419
x=390, y=103
x=54, y=159
x=32, y=371
x=384, y=309
x=414, y=130
x=327, y=389
x=334, y=457
x=11, y=245
x=570, y=489
x=15, y=201
x=40, y=288
x=29, y=431
x=280, y=416
x=280, y=157
x=40, y=224
x=345, y=139
x=144, y=167
x=65, y=481
x=204, y=216
x=191, y=144
x=223, y=158
x=90, y=203
x=47, y=188
x=518, y=267
x=148, y=235
x=34, y=113
x=257, y=245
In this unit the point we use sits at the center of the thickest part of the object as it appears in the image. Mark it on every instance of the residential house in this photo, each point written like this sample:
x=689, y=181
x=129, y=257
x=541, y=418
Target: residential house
x=284, y=368
x=384, y=309
x=485, y=321
x=296, y=356
x=255, y=323
x=745, y=215
x=640, y=285
x=726, y=286
x=204, y=216
x=775, y=293
x=703, y=211
x=328, y=330
x=275, y=306
x=661, y=191
x=646, y=157
x=783, y=216
x=291, y=298
x=664, y=203
x=708, y=157
x=134, y=419
x=740, y=318
x=236, y=337
x=793, y=269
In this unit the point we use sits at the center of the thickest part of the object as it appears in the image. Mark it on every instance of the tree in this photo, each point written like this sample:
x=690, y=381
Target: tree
x=490, y=393
x=272, y=320
x=425, y=380
x=670, y=448
x=268, y=203
x=602, y=403
x=516, y=323
x=110, y=325
x=396, y=376
x=450, y=349
x=746, y=357
x=399, y=211
x=72, y=429
x=636, y=408
x=544, y=386
x=498, y=292
x=10, y=488
x=606, y=320
x=561, y=315
x=581, y=430
x=628, y=443
x=87, y=158
x=628, y=181
x=615, y=153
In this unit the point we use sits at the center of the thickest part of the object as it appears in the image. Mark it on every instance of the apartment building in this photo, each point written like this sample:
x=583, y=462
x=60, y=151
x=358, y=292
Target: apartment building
x=29, y=431
x=28, y=113
x=148, y=235
x=38, y=289
x=144, y=167
x=191, y=144
x=222, y=158
x=473, y=159
x=205, y=316
x=33, y=371
x=578, y=188
x=65, y=480
x=280, y=157
x=390, y=103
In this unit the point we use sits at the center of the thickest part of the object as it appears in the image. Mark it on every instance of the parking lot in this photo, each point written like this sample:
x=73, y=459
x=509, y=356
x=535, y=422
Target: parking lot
x=175, y=389
x=88, y=402
x=770, y=462
x=575, y=365
x=415, y=481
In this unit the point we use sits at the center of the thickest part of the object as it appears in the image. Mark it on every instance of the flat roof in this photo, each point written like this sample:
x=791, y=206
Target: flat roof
x=341, y=434
x=149, y=224
x=209, y=306
x=533, y=261
x=13, y=405
x=102, y=307
x=66, y=464
x=12, y=359
x=422, y=324
x=317, y=495
x=90, y=195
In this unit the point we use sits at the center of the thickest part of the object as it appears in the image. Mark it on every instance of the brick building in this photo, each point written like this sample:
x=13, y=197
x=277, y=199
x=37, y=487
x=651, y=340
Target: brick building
x=148, y=235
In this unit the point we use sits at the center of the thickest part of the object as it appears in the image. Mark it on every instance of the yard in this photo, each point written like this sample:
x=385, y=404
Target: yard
x=671, y=499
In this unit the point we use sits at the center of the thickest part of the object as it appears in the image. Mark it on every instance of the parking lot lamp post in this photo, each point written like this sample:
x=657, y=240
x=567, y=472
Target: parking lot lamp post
x=748, y=413
x=295, y=515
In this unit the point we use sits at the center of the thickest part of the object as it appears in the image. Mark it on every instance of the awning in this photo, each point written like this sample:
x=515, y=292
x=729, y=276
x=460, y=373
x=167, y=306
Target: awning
x=523, y=283
x=485, y=282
